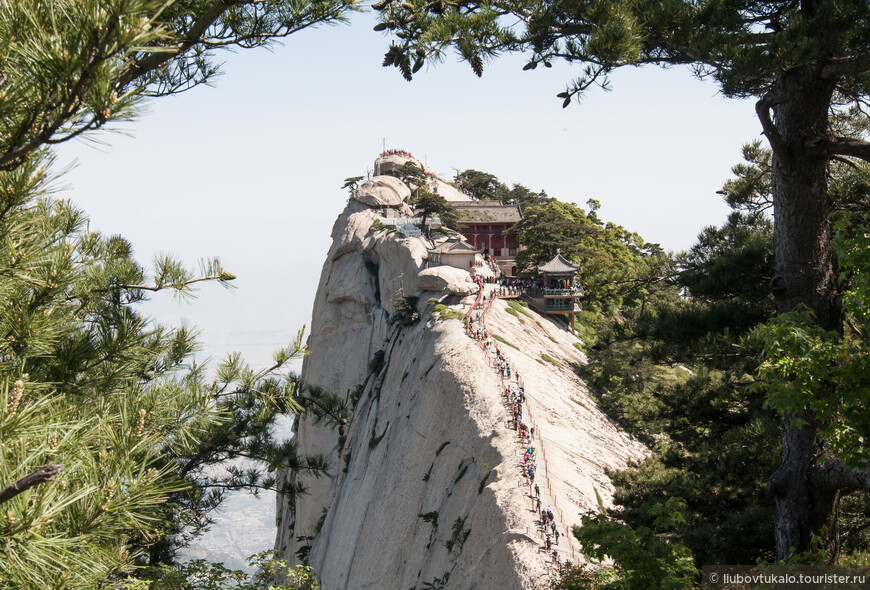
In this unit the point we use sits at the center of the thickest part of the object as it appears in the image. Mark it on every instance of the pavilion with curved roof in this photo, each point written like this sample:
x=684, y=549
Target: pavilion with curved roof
x=558, y=293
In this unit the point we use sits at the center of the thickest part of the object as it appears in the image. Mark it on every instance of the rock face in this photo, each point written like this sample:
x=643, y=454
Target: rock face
x=382, y=191
x=446, y=279
x=425, y=487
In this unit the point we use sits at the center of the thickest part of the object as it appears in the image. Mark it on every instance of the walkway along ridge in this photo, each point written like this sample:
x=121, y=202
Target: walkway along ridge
x=513, y=390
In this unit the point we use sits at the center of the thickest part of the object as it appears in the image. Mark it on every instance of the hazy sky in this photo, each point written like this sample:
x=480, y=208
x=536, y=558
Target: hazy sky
x=251, y=169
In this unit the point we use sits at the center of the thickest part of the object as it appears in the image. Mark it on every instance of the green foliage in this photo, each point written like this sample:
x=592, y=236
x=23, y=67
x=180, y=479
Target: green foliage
x=717, y=40
x=855, y=535
x=487, y=187
x=92, y=386
x=406, y=313
x=429, y=204
x=122, y=432
x=550, y=360
x=430, y=517
x=819, y=376
x=751, y=189
x=350, y=184
x=446, y=313
x=679, y=373
x=801, y=359
x=482, y=185
x=272, y=574
x=376, y=365
x=616, y=266
x=461, y=473
x=377, y=439
x=519, y=307
x=716, y=442
x=73, y=66
x=458, y=536
x=503, y=341
x=644, y=558
x=600, y=501
x=733, y=262
x=327, y=407
x=319, y=524
x=410, y=173
x=514, y=313
x=583, y=577
x=357, y=392
x=808, y=55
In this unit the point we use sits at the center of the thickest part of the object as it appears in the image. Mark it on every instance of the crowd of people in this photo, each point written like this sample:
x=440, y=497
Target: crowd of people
x=515, y=398
x=401, y=153
x=512, y=287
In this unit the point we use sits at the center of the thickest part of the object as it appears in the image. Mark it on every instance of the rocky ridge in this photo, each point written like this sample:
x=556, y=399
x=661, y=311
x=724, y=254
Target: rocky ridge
x=425, y=486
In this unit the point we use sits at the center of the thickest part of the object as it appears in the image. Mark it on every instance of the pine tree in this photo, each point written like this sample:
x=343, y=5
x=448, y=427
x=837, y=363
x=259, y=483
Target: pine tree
x=680, y=376
x=114, y=447
x=616, y=265
x=429, y=204
x=110, y=437
x=693, y=393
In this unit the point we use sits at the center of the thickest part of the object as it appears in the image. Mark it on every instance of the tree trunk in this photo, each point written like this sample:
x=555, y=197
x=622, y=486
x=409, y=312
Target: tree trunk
x=804, y=275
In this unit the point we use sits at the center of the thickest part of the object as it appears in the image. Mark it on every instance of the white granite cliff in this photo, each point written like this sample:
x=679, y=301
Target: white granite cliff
x=425, y=491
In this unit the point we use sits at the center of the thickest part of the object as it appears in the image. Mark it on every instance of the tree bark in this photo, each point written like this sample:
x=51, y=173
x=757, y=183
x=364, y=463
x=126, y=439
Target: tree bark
x=804, y=275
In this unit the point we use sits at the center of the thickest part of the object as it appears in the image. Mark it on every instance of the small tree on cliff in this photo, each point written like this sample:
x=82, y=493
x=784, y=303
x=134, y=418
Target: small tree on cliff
x=482, y=185
x=801, y=60
x=429, y=204
x=409, y=173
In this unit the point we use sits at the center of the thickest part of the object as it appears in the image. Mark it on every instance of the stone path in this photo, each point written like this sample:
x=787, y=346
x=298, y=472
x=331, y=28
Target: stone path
x=558, y=554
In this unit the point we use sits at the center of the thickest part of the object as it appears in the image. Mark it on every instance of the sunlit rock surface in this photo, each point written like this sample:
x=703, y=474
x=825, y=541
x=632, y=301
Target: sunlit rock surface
x=427, y=487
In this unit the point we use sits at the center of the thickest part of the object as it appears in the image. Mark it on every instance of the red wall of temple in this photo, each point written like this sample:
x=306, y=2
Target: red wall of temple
x=491, y=233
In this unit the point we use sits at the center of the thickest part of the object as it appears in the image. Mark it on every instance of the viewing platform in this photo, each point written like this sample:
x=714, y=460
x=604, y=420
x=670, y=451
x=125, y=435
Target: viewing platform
x=575, y=292
x=559, y=294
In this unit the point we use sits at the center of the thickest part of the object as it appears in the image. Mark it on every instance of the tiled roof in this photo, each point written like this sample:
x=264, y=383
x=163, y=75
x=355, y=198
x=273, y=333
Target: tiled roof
x=454, y=246
x=558, y=265
x=483, y=212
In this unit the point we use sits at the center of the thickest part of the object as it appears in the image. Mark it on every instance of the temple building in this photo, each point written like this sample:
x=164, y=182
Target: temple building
x=486, y=226
x=558, y=293
x=454, y=252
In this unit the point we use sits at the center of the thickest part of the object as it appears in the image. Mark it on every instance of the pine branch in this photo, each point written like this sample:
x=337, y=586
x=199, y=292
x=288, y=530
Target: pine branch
x=846, y=67
x=69, y=105
x=154, y=60
x=835, y=475
x=41, y=475
x=777, y=143
x=223, y=277
x=843, y=146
